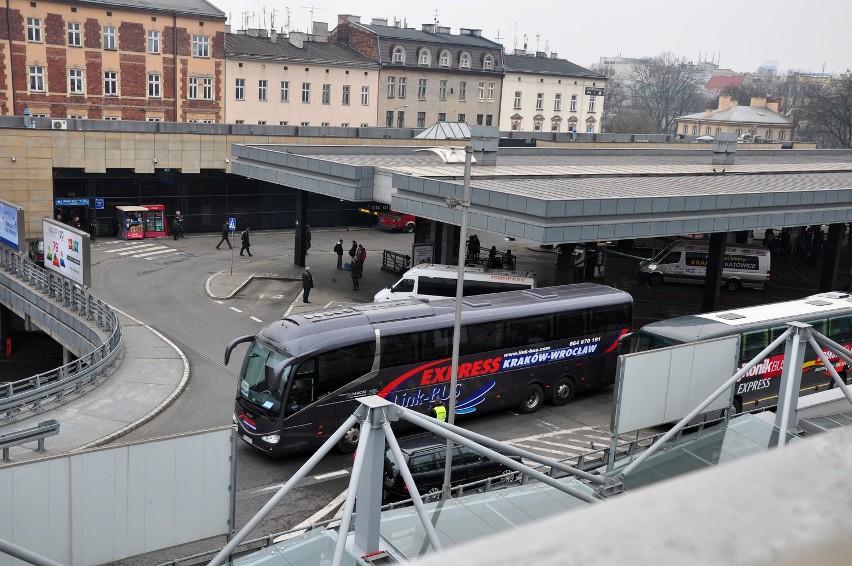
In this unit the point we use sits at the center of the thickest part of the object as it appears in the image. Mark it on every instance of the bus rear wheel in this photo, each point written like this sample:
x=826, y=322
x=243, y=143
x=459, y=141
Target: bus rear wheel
x=532, y=399
x=349, y=442
x=563, y=391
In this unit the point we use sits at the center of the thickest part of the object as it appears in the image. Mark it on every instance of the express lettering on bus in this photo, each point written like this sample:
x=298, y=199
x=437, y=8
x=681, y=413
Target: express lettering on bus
x=467, y=369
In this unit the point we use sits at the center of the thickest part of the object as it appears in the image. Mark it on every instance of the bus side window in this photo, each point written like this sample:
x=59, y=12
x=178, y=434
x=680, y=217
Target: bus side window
x=437, y=286
x=403, y=286
x=399, y=350
x=530, y=330
x=753, y=343
x=340, y=366
x=476, y=338
x=436, y=344
x=839, y=328
x=609, y=318
x=572, y=324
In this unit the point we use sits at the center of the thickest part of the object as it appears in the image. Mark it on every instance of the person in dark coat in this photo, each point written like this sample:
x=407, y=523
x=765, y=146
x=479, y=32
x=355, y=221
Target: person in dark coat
x=177, y=226
x=246, y=242
x=307, y=238
x=352, y=250
x=225, y=238
x=307, y=284
x=355, y=272
x=338, y=249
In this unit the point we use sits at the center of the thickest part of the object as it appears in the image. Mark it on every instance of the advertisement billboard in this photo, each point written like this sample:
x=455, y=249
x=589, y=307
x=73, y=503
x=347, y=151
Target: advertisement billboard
x=12, y=226
x=66, y=251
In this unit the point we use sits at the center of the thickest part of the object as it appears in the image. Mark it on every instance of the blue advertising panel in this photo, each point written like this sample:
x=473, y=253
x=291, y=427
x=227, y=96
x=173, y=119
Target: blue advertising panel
x=11, y=225
x=72, y=202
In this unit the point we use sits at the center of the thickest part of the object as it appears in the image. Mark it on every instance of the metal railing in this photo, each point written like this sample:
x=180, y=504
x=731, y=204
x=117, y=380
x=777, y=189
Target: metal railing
x=395, y=262
x=58, y=385
x=39, y=433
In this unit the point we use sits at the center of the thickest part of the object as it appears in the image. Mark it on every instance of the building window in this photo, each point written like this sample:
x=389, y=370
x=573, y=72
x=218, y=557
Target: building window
x=488, y=119
x=464, y=60
x=421, y=89
x=421, y=119
x=283, y=123
x=403, y=83
x=285, y=91
x=326, y=94
x=74, y=36
x=462, y=117
x=325, y=124
x=391, y=87
x=442, y=90
x=153, y=85
x=305, y=124
x=488, y=63
x=344, y=125
x=389, y=119
x=400, y=119
x=708, y=130
x=442, y=116
x=573, y=107
x=481, y=91
x=347, y=89
x=781, y=135
x=768, y=134
x=463, y=91
x=261, y=89
x=261, y=122
x=591, y=104
x=238, y=122
x=539, y=101
x=306, y=92
x=398, y=55
x=207, y=88
x=109, y=37
x=365, y=96
x=153, y=41
x=694, y=130
x=479, y=119
x=193, y=88
x=444, y=60
x=110, y=83
x=557, y=103
x=75, y=81
x=36, y=79
x=34, y=30
x=739, y=132
x=112, y=118
x=518, y=95
x=425, y=58
x=201, y=46
x=154, y=120
x=240, y=92
x=490, y=91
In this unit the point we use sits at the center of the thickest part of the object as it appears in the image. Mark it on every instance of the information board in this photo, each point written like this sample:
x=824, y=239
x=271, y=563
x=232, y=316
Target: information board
x=66, y=251
x=11, y=225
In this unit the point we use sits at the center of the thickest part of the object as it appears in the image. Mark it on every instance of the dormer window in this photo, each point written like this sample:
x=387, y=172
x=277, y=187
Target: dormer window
x=488, y=63
x=399, y=55
x=425, y=58
x=464, y=60
x=444, y=61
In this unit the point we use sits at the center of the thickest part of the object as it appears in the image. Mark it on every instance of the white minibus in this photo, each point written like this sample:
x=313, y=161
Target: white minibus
x=431, y=281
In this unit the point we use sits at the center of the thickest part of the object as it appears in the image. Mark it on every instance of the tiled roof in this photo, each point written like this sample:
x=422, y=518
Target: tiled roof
x=241, y=45
x=742, y=114
x=720, y=82
x=181, y=7
x=544, y=65
x=410, y=34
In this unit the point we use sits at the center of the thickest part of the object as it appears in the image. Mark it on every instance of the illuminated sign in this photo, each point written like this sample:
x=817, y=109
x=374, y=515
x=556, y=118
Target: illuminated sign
x=66, y=251
x=11, y=225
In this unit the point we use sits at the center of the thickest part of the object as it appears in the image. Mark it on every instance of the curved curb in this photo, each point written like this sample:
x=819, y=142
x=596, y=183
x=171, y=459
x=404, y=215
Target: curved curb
x=242, y=285
x=153, y=412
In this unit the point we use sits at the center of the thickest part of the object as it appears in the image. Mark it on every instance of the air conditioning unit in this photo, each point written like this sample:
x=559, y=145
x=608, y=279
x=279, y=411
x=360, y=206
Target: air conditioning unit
x=59, y=124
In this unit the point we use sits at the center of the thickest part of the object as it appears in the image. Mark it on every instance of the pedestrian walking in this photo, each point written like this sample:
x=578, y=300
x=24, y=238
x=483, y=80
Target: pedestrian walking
x=352, y=250
x=493, y=261
x=177, y=226
x=355, y=272
x=225, y=232
x=338, y=249
x=307, y=238
x=246, y=242
x=307, y=284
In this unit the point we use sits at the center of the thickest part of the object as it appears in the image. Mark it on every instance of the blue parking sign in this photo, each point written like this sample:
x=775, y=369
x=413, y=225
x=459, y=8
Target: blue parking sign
x=99, y=204
x=232, y=224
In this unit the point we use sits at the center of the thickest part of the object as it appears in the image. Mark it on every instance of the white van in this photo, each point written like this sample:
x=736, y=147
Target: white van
x=686, y=262
x=430, y=281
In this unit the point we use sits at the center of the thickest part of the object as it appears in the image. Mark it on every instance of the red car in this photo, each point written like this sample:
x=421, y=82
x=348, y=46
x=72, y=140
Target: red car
x=390, y=220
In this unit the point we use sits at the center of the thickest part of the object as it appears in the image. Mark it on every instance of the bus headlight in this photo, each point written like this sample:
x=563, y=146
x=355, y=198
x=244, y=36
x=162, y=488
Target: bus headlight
x=271, y=438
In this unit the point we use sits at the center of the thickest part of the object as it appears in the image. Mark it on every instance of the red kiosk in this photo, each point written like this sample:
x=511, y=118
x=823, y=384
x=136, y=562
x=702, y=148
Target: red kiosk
x=155, y=221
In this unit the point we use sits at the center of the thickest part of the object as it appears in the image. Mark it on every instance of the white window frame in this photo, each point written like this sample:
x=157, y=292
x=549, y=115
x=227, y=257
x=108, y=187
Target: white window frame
x=488, y=63
x=365, y=96
x=391, y=87
x=75, y=79
x=36, y=78
x=539, y=101
x=444, y=59
x=192, y=89
x=421, y=120
x=153, y=41
x=557, y=102
x=326, y=93
x=442, y=90
x=422, y=88
x=201, y=46
x=239, y=89
x=403, y=87
x=518, y=96
x=464, y=60
x=34, y=34
x=347, y=95
x=399, y=54
x=110, y=83
x=207, y=88
x=285, y=91
x=490, y=94
x=109, y=38
x=424, y=59
x=481, y=90
x=306, y=93
x=262, y=89
x=573, y=107
x=75, y=34
x=155, y=85
x=591, y=103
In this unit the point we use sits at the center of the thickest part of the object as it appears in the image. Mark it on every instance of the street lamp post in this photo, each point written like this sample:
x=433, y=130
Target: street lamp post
x=452, y=202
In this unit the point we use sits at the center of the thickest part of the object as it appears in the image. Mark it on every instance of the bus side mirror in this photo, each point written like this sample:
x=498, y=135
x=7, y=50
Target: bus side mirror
x=234, y=343
x=624, y=343
x=275, y=379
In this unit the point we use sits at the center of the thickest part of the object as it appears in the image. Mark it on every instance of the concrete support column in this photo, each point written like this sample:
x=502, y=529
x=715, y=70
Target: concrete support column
x=301, y=227
x=713, y=280
x=66, y=356
x=565, y=264
x=831, y=257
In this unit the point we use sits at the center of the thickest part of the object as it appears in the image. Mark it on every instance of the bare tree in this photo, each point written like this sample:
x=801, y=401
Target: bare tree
x=666, y=87
x=827, y=115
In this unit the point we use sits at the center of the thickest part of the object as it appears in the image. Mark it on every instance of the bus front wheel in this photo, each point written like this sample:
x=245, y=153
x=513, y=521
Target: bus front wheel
x=532, y=398
x=349, y=442
x=563, y=391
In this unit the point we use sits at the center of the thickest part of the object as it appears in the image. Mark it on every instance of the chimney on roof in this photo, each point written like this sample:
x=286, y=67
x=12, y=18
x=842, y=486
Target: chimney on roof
x=429, y=28
x=397, y=23
x=253, y=32
x=320, y=32
x=469, y=31
x=227, y=28
x=758, y=102
x=554, y=55
x=774, y=104
x=443, y=29
x=297, y=39
x=343, y=18
x=379, y=21
x=725, y=102
x=273, y=36
x=519, y=52
x=541, y=54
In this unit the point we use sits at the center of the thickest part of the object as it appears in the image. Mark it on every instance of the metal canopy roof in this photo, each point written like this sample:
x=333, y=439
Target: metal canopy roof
x=555, y=196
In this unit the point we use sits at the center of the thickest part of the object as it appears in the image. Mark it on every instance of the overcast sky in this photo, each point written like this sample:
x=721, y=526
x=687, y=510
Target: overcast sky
x=741, y=35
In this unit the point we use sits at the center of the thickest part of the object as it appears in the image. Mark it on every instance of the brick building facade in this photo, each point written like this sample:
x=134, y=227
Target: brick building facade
x=113, y=59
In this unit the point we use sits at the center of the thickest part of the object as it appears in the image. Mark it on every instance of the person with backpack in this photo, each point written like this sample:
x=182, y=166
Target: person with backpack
x=244, y=238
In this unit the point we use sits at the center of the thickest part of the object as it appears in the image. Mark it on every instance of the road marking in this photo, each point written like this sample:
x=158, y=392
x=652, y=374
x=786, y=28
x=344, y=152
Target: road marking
x=169, y=250
x=536, y=449
x=549, y=434
x=220, y=302
x=235, y=309
x=332, y=475
x=316, y=516
x=254, y=318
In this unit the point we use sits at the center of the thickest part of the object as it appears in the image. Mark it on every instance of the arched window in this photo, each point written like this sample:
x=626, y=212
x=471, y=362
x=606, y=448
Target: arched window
x=768, y=134
x=516, y=122
x=464, y=60
x=425, y=57
x=445, y=58
x=708, y=130
x=488, y=63
x=685, y=129
x=694, y=130
x=399, y=54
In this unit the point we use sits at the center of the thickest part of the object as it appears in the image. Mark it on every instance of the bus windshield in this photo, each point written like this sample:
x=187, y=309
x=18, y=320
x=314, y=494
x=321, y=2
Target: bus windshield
x=646, y=341
x=256, y=376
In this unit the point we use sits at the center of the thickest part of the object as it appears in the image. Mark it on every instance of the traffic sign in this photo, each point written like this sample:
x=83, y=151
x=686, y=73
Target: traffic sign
x=232, y=224
x=99, y=204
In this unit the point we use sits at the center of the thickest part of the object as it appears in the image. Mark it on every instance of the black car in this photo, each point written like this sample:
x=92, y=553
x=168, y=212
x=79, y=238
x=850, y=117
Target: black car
x=425, y=455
